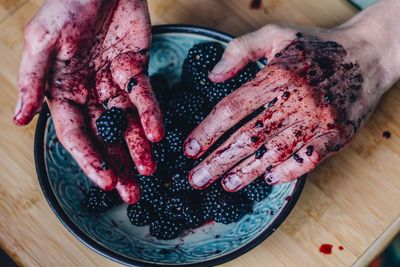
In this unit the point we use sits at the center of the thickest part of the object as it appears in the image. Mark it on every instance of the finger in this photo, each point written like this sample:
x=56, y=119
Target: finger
x=303, y=161
x=133, y=34
x=129, y=72
x=276, y=150
x=138, y=145
x=267, y=88
x=127, y=185
x=246, y=141
x=105, y=86
x=34, y=66
x=71, y=130
x=250, y=47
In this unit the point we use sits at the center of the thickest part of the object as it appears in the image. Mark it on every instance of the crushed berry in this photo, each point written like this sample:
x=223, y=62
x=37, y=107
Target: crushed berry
x=273, y=101
x=104, y=166
x=254, y=139
x=386, y=134
x=352, y=98
x=132, y=82
x=328, y=98
x=255, y=4
x=309, y=150
x=259, y=124
x=269, y=168
x=261, y=151
x=312, y=72
x=286, y=95
x=297, y=158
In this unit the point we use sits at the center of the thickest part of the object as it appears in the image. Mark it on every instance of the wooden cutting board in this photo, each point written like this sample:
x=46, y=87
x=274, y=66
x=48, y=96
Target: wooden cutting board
x=351, y=200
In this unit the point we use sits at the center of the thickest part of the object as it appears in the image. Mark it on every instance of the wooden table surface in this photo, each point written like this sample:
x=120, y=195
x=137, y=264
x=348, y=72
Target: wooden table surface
x=351, y=200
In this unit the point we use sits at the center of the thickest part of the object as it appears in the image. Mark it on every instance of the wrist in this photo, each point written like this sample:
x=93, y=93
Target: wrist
x=375, y=35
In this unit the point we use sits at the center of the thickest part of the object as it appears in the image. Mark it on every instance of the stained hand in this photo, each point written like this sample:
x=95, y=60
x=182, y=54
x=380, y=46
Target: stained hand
x=84, y=55
x=317, y=90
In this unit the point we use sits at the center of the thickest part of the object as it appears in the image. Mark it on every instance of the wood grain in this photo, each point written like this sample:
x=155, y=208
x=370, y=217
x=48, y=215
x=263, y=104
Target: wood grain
x=350, y=200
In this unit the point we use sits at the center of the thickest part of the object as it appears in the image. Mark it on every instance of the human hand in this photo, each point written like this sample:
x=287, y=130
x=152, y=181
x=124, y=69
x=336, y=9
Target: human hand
x=317, y=90
x=84, y=55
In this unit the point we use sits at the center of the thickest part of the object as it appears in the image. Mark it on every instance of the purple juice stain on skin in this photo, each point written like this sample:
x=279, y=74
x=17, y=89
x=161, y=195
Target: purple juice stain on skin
x=331, y=82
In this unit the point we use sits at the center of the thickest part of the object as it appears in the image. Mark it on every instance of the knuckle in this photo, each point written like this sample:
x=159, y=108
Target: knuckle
x=37, y=37
x=238, y=45
x=228, y=107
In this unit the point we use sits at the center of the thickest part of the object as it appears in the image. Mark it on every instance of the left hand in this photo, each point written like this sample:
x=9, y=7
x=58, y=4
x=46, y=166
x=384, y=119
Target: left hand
x=317, y=90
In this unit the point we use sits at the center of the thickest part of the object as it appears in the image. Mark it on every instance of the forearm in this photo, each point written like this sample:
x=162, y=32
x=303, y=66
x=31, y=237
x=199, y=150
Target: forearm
x=378, y=27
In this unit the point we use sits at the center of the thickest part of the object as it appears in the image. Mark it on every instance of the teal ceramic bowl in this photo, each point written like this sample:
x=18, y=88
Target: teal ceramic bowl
x=110, y=234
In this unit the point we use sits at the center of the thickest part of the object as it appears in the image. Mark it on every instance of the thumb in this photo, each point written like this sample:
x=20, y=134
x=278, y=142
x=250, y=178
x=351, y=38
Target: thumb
x=250, y=47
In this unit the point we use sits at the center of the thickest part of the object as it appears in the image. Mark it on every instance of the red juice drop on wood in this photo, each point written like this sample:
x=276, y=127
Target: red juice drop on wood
x=325, y=249
x=341, y=247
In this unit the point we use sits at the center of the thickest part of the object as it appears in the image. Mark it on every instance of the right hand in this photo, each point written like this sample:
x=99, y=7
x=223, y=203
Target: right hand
x=81, y=55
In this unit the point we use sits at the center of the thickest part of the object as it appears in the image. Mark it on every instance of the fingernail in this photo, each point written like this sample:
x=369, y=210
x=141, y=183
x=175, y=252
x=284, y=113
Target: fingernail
x=18, y=109
x=141, y=168
x=220, y=67
x=192, y=147
x=150, y=137
x=201, y=177
x=232, y=181
x=271, y=179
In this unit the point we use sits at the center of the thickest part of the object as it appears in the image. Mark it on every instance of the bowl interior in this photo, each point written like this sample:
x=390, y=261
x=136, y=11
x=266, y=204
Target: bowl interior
x=112, y=234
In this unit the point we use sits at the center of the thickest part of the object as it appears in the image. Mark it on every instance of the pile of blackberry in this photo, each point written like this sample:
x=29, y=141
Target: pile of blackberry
x=168, y=203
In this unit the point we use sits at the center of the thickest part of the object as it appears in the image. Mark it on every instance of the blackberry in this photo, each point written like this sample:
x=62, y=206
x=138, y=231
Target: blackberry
x=139, y=214
x=210, y=199
x=160, y=151
x=229, y=210
x=204, y=55
x=190, y=106
x=194, y=218
x=200, y=61
x=219, y=90
x=98, y=200
x=169, y=119
x=257, y=190
x=180, y=182
x=245, y=75
x=174, y=140
x=181, y=164
x=172, y=207
x=165, y=229
x=111, y=125
x=150, y=187
x=160, y=86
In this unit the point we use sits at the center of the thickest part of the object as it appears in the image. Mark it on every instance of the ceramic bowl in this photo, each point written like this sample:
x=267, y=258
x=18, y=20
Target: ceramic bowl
x=110, y=234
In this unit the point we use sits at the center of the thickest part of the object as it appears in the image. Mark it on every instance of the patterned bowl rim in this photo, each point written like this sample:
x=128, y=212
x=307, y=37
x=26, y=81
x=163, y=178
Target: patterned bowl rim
x=39, y=148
